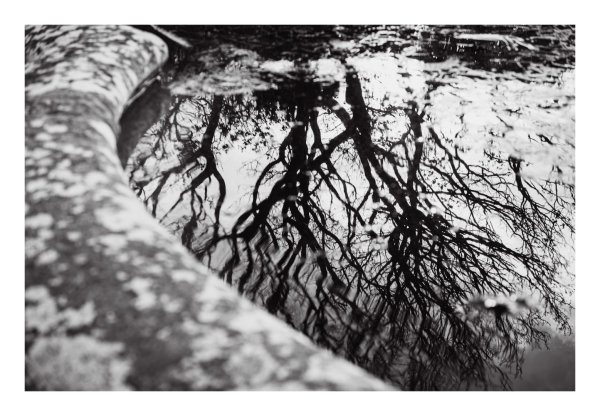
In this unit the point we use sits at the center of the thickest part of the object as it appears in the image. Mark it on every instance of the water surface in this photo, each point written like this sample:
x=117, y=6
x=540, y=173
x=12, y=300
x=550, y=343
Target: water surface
x=402, y=195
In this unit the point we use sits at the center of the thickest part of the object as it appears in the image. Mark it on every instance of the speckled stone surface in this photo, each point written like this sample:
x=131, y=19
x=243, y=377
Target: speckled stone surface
x=113, y=302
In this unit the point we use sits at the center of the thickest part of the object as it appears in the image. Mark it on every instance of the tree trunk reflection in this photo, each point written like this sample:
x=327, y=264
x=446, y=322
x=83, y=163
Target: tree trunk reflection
x=384, y=244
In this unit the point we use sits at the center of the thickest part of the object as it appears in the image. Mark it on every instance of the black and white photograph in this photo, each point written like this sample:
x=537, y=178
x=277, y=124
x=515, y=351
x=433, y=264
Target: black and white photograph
x=308, y=207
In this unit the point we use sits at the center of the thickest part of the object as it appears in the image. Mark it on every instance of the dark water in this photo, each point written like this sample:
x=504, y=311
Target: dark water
x=402, y=195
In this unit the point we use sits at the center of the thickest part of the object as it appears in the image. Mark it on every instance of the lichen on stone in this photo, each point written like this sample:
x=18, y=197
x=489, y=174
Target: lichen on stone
x=146, y=297
x=105, y=259
x=77, y=363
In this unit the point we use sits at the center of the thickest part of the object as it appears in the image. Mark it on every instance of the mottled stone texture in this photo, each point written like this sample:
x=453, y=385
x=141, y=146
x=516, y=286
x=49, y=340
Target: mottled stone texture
x=113, y=302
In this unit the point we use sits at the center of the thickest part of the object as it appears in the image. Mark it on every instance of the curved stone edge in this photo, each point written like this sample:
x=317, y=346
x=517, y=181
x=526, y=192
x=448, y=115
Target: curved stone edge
x=113, y=302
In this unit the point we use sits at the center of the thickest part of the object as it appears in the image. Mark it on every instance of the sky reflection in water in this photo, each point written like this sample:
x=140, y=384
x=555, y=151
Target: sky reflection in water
x=403, y=196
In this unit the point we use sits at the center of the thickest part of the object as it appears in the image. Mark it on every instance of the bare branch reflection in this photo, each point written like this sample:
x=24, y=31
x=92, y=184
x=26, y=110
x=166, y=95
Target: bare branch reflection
x=367, y=228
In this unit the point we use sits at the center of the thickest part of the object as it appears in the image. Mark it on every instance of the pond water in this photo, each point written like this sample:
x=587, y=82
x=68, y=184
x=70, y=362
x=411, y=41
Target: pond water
x=404, y=196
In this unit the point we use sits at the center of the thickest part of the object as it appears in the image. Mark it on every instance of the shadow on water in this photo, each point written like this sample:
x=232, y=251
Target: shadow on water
x=402, y=195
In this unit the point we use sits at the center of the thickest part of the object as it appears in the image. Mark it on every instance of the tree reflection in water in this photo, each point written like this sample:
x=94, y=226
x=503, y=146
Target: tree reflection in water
x=402, y=228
